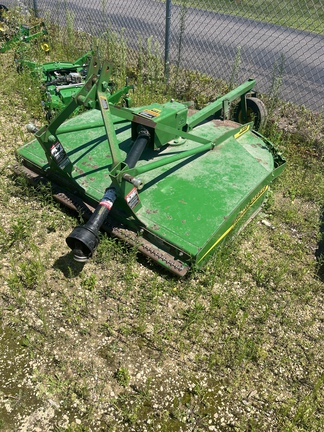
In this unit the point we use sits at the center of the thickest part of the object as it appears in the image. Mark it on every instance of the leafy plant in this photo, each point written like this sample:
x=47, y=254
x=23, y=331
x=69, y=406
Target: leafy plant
x=122, y=376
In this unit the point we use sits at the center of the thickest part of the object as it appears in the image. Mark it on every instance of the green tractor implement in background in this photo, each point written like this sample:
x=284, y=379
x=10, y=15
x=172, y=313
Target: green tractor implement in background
x=172, y=182
x=60, y=80
x=12, y=35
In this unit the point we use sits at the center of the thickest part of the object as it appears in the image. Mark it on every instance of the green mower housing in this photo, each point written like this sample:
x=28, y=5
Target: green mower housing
x=174, y=185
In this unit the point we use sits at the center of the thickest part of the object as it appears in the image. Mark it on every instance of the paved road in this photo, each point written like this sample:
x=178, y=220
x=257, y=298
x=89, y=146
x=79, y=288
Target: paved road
x=210, y=43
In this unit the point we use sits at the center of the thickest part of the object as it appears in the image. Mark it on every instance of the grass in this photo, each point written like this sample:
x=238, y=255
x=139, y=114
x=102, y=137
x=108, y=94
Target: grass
x=121, y=345
x=298, y=14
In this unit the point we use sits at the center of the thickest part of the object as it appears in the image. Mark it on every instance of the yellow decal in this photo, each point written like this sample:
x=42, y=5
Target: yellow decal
x=239, y=217
x=250, y=204
x=45, y=47
x=150, y=113
x=242, y=131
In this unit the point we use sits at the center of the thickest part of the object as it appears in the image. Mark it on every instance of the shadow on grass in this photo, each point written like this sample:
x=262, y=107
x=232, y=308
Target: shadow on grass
x=320, y=248
x=68, y=266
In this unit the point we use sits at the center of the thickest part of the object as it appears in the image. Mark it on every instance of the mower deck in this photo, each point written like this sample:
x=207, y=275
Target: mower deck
x=188, y=207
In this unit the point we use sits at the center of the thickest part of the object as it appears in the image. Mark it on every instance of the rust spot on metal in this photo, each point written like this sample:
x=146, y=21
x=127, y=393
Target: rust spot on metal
x=229, y=123
x=78, y=170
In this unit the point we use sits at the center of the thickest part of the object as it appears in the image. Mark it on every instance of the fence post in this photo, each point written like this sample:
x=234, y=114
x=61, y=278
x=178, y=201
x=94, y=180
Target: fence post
x=35, y=6
x=168, y=5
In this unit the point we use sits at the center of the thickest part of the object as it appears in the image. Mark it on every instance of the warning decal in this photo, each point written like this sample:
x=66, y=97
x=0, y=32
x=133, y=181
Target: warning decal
x=150, y=113
x=132, y=198
x=59, y=155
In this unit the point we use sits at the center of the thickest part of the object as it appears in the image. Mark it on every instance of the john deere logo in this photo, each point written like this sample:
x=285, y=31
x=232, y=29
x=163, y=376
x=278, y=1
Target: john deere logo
x=242, y=131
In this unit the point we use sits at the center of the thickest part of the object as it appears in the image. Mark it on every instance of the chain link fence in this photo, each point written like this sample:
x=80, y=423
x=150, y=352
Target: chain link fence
x=280, y=43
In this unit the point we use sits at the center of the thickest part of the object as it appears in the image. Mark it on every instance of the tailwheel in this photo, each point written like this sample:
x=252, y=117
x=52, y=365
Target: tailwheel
x=3, y=27
x=3, y=10
x=255, y=111
x=45, y=46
